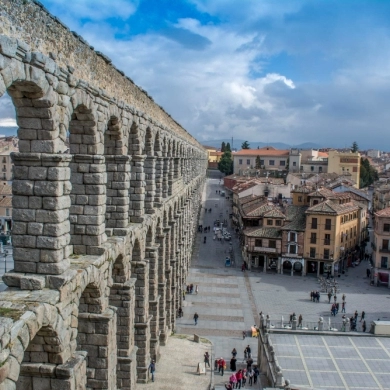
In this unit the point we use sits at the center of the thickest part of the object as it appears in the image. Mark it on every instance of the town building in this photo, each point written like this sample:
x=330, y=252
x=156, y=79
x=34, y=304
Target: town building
x=345, y=163
x=381, y=247
x=269, y=158
x=308, y=161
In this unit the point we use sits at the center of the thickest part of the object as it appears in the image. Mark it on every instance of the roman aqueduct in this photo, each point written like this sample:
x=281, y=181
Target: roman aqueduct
x=106, y=193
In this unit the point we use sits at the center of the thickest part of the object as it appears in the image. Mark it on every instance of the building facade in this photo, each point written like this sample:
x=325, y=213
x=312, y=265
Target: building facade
x=345, y=162
x=381, y=247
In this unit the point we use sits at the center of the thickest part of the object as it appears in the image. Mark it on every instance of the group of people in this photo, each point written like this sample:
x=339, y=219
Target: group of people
x=202, y=229
x=190, y=288
x=239, y=378
x=315, y=296
x=209, y=210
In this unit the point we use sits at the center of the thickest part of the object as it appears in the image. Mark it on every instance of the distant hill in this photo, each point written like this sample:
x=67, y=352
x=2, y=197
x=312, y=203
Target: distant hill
x=253, y=145
x=8, y=131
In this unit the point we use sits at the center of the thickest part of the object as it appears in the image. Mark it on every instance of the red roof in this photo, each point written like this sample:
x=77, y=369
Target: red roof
x=267, y=151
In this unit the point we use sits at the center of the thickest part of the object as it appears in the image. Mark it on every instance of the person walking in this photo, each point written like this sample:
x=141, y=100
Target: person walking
x=196, y=318
x=300, y=321
x=206, y=359
x=239, y=379
x=249, y=363
x=152, y=369
x=364, y=326
x=329, y=296
x=256, y=374
x=234, y=352
x=362, y=317
x=356, y=315
x=233, y=364
x=343, y=307
x=196, y=289
x=221, y=365
x=233, y=380
x=248, y=352
x=250, y=374
x=343, y=297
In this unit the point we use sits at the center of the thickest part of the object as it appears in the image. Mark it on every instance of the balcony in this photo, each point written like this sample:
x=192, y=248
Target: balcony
x=384, y=250
x=326, y=242
x=313, y=241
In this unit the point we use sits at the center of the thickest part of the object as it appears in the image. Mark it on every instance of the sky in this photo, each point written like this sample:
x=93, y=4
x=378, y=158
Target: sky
x=288, y=71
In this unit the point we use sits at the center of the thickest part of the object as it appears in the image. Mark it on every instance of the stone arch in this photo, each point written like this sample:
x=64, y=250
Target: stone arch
x=150, y=171
x=118, y=174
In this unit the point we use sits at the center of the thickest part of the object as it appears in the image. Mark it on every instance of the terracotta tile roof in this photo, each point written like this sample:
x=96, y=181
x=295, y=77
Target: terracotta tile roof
x=6, y=202
x=5, y=189
x=322, y=192
x=302, y=190
x=274, y=213
x=331, y=207
x=296, y=217
x=269, y=151
x=263, y=232
x=259, y=211
x=383, y=213
x=323, y=154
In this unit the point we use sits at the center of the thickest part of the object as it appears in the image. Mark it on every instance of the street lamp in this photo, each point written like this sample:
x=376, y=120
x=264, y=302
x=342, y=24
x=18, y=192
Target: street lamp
x=5, y=261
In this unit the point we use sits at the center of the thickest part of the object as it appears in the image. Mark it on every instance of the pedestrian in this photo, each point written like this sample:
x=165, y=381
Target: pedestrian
x=312, y=295
x=233, y=380
x=362, y=317
x=234, y=352
x=249, y=363
x=221, y=366
x=233, y=364
x=248, y=352
x=180, y=312
x=335, y=298
x=364, y=326
x=196, y=289
x=368, y=272
x=243, y=267
x=250, y=374
x=244, y=376
x=256, y=374
x=343, y=307
x=329, y=296
x=239, y=379
x=343, y=297
x=300, y=321
x=196, y=318
x=206, y=359
x=152, y=369
x=318, y=296
x=356, y=315
x=191, y=288
x=337, y=307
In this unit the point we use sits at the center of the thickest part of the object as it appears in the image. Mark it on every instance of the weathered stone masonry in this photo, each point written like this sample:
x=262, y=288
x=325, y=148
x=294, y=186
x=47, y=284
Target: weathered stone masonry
x=102, y=231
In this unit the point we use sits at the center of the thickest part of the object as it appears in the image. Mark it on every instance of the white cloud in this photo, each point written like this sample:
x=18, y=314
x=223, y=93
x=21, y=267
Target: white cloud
x=8, y=122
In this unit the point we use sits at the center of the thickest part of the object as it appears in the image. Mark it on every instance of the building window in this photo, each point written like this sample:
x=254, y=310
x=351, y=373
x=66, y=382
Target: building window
x=258, y=242
x=319, y=169
x=326, y=254
x=261, y=162
x=270, y=222
x=313, y=238
x=312, y=168
x=299, y=198
x=240, y=161
x=271, y=162
x=384, y=262
x=294, y=164
x=385, y=245
x=278, y=222
x=248, y=162
x=314, y=223
x=282, y=163
x=327, y=239
x=386, y=227
x=328, y=224
x=7, y=212
x=315, y=202
x=293, y=249
x=313, y=253
x=272, y=244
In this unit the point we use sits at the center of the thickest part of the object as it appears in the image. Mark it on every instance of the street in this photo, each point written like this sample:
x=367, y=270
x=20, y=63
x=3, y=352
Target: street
x=229, y=300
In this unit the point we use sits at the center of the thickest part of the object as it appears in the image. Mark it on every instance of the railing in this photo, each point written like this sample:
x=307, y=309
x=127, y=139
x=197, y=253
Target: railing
x=313, y=241
x=332, y=326
x=385, y=250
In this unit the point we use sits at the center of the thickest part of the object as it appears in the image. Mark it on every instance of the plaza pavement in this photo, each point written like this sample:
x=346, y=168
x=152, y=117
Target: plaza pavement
x=230, y=300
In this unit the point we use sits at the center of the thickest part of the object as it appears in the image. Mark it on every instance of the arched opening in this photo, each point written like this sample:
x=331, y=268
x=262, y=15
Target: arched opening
x=137, y=181
x=88, y=178
x=118, y=177
x=159, y=166
x=150, y=172
x=122, y=296
x=96, y=334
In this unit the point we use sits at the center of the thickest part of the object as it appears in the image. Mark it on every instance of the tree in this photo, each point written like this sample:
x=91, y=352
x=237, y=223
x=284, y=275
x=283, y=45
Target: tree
x=223, y=146
x=258, y=162
x=368, y=174
x=245, y=145
x=354, y=147
x=225, y=164
x=227, y=148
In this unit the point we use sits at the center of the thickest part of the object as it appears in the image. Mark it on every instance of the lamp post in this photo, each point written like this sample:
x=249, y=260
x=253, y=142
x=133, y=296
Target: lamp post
x=5, y=261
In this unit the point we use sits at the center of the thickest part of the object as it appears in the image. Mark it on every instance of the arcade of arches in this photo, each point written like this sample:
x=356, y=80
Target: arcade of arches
x=106, y=194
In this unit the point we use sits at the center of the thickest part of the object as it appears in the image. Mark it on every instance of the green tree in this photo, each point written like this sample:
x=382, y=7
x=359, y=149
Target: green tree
x=223, y=146
x=225, y=164
x=227, y=148
x=368, y=174
x=354, y=147
x=258, y=163
x=245, y=145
